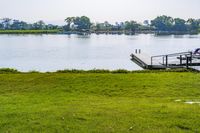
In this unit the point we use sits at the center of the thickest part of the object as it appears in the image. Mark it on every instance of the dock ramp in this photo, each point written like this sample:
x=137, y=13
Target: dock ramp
x=140, y=61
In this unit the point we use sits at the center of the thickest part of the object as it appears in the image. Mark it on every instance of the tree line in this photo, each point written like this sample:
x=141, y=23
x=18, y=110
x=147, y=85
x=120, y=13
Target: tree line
x=13, y=24
x=83, y=24
x=160, y=24
x=166, y=23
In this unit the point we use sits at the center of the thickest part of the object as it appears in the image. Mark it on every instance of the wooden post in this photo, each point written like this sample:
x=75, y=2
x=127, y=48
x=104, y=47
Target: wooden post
x=187, y=61
x=136, y=51
x=181, y=60
x=151, y=61
x=166, y=61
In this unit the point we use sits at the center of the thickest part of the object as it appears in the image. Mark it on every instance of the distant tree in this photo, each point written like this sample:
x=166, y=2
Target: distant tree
x=98, y=26
x=193, y=24
x=51, y=27
x=16, y=25
x=1, y=26
x=122, y=26
x=163, y=23
x=39, y=25
x=107, y=26
x=69, y=21
x=131, y=25
x=179, y=25
x=19, y=25
x=6, y=22
x=118, y=26
x=82, y=23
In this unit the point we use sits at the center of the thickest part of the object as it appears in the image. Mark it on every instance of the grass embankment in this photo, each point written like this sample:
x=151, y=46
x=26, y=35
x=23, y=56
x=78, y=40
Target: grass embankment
x=29, y=31
x=99, y=102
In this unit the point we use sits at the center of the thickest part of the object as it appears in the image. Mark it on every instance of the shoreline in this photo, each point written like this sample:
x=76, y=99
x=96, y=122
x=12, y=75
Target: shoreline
x=57, y=32
x=103, y=71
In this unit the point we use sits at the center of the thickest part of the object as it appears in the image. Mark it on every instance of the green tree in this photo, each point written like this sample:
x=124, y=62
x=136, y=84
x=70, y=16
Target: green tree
x=179, y=25
x=6, y=23
x=163, y=23
x=19, y=25
x=39, y=25
x=1, y=26
x=69, y=21
x=193, y=24
x=131, y=25
x=98, y=27
x=107, y=26
x=83, y=23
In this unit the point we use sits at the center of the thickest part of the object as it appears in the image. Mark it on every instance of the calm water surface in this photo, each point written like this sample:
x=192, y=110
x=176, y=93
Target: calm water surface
x=56, y=52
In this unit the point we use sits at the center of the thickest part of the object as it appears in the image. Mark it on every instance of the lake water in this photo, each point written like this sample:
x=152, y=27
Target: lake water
x=58, y=52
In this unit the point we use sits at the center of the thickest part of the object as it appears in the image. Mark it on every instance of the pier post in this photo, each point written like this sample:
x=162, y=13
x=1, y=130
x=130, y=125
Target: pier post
x=139, y=51
x=187, y=62
x=166, y=61
x=181, y=61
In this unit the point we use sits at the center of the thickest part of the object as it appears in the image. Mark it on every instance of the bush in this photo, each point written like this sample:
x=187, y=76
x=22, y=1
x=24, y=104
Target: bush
x=8, y=70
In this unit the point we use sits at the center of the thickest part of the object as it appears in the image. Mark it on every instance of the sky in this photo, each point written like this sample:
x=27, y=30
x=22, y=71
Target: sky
x=55, y=11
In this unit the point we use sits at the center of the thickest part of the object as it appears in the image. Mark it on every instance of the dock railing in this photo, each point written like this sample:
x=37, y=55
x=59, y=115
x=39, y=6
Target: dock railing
x=173, y=60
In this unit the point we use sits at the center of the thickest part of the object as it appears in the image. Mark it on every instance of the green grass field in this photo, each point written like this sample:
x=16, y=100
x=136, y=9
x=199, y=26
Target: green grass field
x=99, y=102
x=28, y=31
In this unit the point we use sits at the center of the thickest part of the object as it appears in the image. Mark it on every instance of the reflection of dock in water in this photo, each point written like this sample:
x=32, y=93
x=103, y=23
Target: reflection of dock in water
x=176, y=60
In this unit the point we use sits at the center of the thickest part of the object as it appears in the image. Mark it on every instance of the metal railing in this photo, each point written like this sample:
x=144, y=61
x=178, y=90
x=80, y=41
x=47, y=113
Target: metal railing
x=176, y=59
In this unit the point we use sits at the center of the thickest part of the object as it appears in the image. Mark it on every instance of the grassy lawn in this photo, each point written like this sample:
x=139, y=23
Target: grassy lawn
x=99, y=102
x=28, y=31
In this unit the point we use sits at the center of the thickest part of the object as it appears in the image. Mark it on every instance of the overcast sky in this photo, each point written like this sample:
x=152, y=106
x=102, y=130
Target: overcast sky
x=98, y=10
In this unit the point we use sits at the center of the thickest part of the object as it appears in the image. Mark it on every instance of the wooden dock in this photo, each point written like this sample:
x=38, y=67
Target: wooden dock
x=169, y=61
